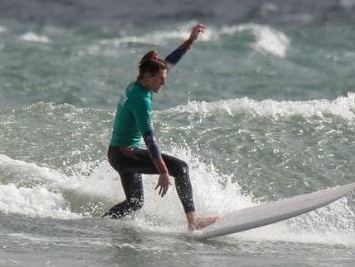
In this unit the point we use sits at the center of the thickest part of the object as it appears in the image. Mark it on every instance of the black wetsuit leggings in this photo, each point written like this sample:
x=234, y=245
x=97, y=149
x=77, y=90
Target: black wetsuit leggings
x=131, y=170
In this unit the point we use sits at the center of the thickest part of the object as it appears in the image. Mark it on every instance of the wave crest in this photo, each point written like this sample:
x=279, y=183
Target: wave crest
x=343, y=107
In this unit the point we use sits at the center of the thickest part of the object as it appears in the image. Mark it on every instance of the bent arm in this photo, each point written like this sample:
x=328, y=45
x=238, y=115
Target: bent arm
x=173, y=58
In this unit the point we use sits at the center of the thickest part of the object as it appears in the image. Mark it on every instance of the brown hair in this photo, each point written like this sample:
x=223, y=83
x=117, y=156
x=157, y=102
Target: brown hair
x=151, y=63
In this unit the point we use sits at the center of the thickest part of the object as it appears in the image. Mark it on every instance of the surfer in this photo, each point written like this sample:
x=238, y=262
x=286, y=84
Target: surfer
x=132, y=122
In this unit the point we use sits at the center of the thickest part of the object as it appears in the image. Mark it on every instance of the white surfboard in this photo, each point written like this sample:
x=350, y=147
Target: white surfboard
x=272, y=212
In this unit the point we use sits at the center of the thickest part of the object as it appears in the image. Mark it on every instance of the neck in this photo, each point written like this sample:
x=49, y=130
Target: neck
x=144, y=84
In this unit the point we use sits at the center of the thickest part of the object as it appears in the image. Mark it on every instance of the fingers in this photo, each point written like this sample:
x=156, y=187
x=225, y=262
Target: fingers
x=197, y=30
x=163, y=184
x=162, y=189
x=200, y=27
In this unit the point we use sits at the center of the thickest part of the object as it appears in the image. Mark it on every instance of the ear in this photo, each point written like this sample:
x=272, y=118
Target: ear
x=151, y=74
x=146, y=75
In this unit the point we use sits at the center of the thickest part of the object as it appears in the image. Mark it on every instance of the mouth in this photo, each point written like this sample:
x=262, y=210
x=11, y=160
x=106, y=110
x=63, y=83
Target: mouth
x=157, y=89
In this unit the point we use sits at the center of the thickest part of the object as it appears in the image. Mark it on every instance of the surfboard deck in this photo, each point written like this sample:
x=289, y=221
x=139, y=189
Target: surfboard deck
x=272, y=212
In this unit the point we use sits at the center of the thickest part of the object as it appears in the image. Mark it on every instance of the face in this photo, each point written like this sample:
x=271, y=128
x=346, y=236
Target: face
x=157, y=80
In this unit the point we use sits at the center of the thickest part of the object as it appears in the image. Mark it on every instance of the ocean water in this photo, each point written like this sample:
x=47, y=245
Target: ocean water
x=262, y=108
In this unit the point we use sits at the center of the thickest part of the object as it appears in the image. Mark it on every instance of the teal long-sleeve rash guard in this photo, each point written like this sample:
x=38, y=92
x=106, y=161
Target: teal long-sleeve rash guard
x=134, y=112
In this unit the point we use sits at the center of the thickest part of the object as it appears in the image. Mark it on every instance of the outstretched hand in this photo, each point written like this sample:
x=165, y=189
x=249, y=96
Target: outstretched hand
x=163, y=184
x=196, y=31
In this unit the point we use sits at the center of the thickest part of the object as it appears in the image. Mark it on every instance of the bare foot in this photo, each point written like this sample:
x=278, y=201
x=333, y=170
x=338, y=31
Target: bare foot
x=200, y=222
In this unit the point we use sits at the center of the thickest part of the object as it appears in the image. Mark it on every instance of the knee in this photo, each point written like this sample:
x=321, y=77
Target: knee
x=181, y=169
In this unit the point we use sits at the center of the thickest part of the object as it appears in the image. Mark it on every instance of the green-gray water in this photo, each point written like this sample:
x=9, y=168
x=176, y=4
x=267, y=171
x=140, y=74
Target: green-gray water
x=262, y=108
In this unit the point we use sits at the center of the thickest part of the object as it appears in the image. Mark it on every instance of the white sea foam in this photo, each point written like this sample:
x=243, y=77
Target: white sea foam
x=31, y=190
x=35, y=202
x=214, y=193
x=343, y=107
x=102, y=182
x=210, y=189
x=22, y=171
x=267, y=39
x=36, y=38
x=271, y=41
x=23, y=183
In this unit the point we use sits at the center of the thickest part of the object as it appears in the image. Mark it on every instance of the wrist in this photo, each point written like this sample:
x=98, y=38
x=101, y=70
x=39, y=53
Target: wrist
x=187, y=44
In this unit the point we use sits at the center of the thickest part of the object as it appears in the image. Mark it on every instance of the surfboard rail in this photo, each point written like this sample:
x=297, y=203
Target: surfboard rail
x=272, y=212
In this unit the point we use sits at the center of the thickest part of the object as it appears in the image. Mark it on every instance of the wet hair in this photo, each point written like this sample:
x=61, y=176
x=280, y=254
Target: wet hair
x=151, y=63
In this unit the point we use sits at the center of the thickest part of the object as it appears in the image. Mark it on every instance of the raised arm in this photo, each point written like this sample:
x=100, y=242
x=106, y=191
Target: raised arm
x=173, y=58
